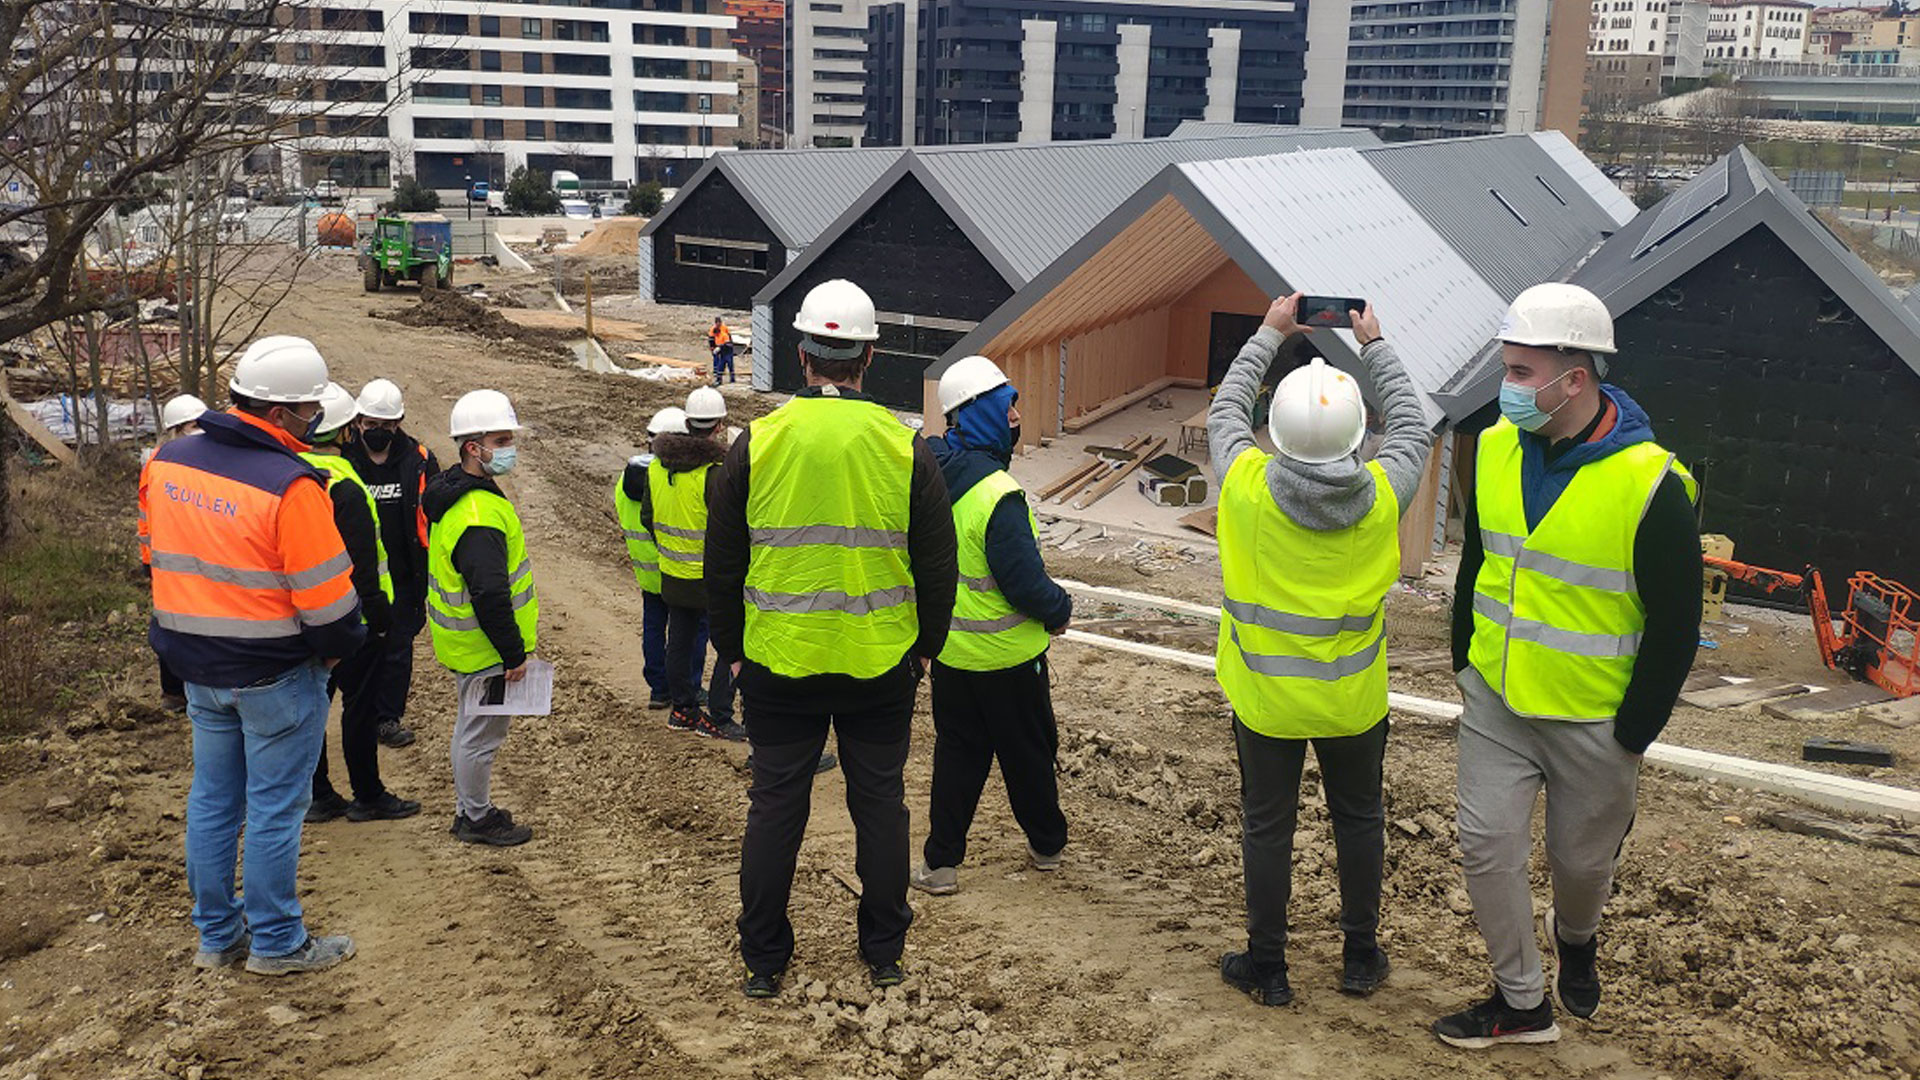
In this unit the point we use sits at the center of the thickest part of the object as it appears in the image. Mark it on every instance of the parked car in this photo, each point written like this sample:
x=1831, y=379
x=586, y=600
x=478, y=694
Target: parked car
x=576, y=208
x=326, y=190
x=477, y=191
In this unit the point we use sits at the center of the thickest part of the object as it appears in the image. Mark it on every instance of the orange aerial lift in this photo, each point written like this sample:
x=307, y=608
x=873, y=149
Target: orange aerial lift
x=1879, y=635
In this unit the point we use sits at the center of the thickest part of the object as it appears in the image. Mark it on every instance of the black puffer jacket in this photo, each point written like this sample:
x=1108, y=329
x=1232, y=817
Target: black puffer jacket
x=679, y=455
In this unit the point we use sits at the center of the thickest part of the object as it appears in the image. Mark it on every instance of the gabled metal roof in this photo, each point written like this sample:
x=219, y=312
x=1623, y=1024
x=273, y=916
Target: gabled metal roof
x=1632, y=264
x=1023, y=204
x=1195, y=129
x=797, y=193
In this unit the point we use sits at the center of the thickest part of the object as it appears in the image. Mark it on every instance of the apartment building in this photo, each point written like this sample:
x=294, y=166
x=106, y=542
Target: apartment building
x=761, y=40
x=1005, y=71
x=1758, y=30
x=1438, y=68
x=1686, y=52
x=615, y=92
x=826, y=51
x=1831, y=30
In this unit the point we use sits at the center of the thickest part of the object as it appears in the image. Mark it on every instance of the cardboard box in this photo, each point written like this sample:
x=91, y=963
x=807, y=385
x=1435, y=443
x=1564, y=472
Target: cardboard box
x=1162, y=492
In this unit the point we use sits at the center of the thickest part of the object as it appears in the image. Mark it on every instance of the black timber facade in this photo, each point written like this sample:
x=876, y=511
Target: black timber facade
x=715, y=249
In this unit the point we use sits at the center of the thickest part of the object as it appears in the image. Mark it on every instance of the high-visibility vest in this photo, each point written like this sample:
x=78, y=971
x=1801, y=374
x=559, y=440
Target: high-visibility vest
x=722, y=337
x=1302, y=647
x=987, y=632
x=1557, y=616
x=679, y=519
x=457, y=638
x=341, y=471
x=641, y=551
x=219, y=558
x=829, y=585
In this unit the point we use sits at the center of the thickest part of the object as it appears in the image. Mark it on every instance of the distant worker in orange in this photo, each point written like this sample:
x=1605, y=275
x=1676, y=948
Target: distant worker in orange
x=720, y=342
x=179, y=417
x=253, y=603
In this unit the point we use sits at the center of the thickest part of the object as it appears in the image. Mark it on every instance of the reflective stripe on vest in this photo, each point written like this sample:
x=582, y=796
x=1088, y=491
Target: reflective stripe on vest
x=458, y=640
x=1557, y=616
x=641, y=552
x=679, y=519
x=341, y=471
x=987, y=633
x=829, y=588
x=1302, y=646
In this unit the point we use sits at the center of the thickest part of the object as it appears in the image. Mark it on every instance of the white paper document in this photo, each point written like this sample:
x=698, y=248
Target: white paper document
x=487, y=694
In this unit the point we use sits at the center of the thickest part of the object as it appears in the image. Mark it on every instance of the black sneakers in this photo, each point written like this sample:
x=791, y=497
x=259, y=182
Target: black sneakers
x=1494, y=1023
x=327, y=807
x=684, y=719
x=1363, y=971
x=388, y=807
x=1576, y=983
x=705, y=727
x=762, y=986
x=495, y=828
x=1266, y=983
x=660, y=702
x=885, y=973
x=394, y=734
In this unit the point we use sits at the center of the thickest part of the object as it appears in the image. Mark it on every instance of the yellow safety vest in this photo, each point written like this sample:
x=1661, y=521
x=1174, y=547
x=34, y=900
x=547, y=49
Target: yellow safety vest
x=987, y=633
x=1556, y=613
x=641, y=551
x=340, y=470
x=679, y=519
x=457, y=638
x=829, y=585
x=1302, y=648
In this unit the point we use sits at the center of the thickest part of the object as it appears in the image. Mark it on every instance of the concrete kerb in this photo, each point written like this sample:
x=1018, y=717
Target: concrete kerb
x=509, y=258
x=1826, y=790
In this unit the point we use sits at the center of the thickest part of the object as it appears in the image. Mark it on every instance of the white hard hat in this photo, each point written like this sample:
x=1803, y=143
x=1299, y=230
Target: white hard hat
x=1318, y=414
x=380, y=400
x=481, y=411
x=281, y=369
x=1556, y=315
x=706, y=404
x=837, y=309
x=671, y=420
x=184, y=409
x=337, y=409
x=968, y=378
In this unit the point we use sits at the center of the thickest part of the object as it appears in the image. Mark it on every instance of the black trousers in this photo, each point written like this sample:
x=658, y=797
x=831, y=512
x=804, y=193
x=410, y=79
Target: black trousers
x=787, y=722
x=686, y=633
x=981, y=715
x=170, y=683
x=395, y=681
x=1350, y=769
x=356, y=680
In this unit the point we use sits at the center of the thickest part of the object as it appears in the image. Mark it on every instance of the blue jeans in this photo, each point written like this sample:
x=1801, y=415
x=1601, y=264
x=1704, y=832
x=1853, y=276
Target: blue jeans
x=254, y=752
x=653, y=646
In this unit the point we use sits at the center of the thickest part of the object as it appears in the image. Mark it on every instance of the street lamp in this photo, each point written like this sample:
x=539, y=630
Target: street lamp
x=469, y=179
x=983, y=121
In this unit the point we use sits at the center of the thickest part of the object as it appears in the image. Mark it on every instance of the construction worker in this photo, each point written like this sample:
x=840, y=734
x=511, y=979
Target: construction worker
x=629, y=495
x=720, y=343
x=355, y=677
x=681, y=479
x=1309, y=546
x=991, y=694
x=482, y=607
x=252, y=602
x=830, y=578
x=395, y=467
x=1576, y=618
x=179, y=417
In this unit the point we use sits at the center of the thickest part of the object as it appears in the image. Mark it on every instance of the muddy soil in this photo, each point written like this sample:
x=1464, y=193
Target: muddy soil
x=605, y=948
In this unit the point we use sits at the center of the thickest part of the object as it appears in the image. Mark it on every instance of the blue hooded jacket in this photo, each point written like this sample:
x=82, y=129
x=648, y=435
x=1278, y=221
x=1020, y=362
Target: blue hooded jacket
x=978, y=444
x=1541, y=482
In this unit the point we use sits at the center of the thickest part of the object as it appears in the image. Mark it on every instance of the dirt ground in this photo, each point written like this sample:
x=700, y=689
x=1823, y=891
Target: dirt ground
x=606, y=947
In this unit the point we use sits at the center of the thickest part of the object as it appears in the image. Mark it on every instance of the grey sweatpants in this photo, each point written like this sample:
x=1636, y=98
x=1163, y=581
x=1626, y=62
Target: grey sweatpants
x=1591, y=782
x=475, y=740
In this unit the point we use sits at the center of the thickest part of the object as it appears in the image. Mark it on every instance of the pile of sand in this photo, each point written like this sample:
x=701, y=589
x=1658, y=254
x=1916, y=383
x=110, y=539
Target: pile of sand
x=613, y=236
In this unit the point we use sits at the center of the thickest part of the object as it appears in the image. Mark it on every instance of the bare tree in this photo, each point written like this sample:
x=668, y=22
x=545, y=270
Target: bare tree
x=1724, y=117
x=101, y=103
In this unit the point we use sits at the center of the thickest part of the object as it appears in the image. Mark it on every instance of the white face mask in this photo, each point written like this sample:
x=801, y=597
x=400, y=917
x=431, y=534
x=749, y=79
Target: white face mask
x=502, y=460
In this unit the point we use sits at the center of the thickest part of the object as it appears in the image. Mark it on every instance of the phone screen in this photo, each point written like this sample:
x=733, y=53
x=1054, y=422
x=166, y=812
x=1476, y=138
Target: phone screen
x=495, y=691
x=1328, y=311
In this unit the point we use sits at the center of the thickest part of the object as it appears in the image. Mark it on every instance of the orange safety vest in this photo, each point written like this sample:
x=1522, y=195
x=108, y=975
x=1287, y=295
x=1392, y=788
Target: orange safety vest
x=722, y=336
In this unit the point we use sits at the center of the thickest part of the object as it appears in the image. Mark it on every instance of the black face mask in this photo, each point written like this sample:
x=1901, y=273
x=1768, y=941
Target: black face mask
x=1013, y=436
x=377, y=439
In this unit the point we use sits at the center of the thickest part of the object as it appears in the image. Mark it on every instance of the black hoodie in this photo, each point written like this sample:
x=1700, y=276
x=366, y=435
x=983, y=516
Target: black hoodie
x=396, y=487
x=680, y=454
x=357, y=531
x=480, y=558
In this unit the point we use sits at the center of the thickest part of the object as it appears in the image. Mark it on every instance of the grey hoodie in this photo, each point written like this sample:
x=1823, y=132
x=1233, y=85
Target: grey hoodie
x=1338, y=494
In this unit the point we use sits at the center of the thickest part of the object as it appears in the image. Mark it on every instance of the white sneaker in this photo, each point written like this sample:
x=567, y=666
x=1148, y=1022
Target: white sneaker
x=1047, y=863
x=935, y=881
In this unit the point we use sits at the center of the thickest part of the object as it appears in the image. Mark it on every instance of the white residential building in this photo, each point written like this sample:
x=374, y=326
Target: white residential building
x=613, y=92
x=1627, y=28
x=1758, y=30
x=826, y=71
x=1686, y=53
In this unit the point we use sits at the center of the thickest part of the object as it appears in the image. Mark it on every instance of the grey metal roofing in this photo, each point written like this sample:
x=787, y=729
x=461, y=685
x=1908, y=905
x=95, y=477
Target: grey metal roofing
x=1413, y=228
x=1022, y=204
x=1755, y=197
x=1507, y=205
x=1194, y=129
x=797, y=193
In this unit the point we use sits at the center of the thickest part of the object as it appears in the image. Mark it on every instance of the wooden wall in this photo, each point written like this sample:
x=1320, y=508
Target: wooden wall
x=1105, y=363
x=1035, y=372
x=1227, y=290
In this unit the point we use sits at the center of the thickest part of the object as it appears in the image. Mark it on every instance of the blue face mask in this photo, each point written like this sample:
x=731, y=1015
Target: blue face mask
x=502, y=461
x=1521, y=404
